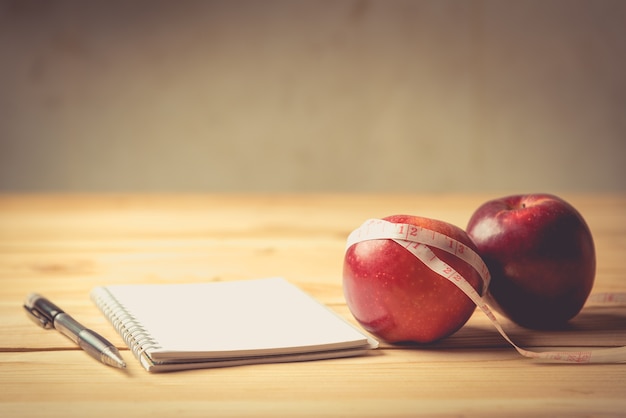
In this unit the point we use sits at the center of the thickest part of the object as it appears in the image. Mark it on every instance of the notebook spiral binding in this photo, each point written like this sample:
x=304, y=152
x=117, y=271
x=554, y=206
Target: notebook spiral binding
x=133, y=333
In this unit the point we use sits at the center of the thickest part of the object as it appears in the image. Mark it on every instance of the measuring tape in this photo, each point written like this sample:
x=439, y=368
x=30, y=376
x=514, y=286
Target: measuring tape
x=418, y=241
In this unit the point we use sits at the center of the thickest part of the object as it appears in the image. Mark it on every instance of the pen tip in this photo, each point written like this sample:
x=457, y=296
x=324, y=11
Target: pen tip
x=113, y=358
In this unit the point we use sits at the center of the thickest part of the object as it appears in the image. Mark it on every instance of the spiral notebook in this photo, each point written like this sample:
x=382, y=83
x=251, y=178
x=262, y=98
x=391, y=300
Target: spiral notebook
x=189, y=326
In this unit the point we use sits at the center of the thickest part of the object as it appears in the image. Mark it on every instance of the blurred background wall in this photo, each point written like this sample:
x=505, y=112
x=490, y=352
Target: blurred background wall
x=274, y=95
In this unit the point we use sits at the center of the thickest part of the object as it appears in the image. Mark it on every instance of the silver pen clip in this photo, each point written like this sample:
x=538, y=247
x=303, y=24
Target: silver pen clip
x=41, y=315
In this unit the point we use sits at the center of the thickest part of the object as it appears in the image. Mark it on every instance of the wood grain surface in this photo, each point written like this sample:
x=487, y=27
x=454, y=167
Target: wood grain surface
x=63, y=245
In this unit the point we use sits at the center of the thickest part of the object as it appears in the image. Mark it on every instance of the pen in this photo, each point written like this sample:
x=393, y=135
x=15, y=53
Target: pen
x=47, y=315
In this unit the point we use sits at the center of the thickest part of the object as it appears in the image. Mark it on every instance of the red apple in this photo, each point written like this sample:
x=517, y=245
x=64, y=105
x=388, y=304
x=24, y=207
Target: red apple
x=541, y=256
x=396, y=297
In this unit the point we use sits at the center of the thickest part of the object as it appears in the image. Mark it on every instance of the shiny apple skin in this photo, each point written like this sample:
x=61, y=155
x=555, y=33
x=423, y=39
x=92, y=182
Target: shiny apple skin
x=397, y=298
x=541, y=256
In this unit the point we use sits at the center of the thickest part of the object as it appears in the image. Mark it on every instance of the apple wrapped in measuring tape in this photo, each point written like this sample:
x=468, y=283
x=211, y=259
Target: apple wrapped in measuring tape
x=541, y=256
x=393, y=278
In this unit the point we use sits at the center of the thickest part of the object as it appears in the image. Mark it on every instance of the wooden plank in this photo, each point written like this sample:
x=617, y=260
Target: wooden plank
x=396, y=382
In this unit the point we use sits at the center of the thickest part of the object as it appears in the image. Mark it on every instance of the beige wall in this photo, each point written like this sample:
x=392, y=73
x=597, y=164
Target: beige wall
x=499, y=96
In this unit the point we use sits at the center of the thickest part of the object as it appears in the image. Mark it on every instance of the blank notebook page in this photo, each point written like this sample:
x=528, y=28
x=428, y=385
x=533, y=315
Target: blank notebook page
x=223, y=319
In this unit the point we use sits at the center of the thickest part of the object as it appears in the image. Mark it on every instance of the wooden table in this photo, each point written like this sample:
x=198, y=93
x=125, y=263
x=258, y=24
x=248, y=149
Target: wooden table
x=63, y=245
